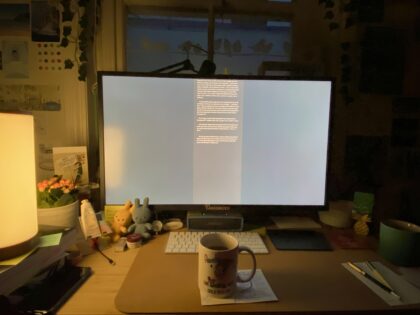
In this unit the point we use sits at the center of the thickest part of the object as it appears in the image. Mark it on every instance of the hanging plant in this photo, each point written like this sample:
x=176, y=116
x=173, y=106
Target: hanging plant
x=349, y=8
x=354, y=12
x=71, y=9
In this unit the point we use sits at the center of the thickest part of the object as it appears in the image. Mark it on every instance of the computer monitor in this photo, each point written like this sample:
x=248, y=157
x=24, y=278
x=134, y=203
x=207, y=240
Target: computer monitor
x=235, y=141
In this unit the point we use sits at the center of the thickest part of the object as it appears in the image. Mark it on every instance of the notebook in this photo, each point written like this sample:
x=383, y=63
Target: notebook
x=299, y=240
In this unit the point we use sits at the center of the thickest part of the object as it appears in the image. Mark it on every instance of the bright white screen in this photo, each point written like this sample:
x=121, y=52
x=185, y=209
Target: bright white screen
x=215, y=141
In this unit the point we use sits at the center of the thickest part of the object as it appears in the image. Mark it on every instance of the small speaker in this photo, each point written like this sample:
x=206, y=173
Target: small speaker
x=214, y=221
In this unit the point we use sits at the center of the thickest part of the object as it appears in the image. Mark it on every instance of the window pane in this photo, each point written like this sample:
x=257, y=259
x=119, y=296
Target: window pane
x=154, y=42
x=241, y=46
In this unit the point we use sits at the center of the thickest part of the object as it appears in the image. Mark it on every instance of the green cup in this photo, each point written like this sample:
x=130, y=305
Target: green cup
x=399, y=242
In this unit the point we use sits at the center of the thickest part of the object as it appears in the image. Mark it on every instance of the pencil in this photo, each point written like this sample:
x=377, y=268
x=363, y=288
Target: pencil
x=378, y=274
x=372, y=279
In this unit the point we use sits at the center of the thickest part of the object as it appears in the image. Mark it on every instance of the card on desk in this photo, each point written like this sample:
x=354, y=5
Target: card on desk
x=258, y=290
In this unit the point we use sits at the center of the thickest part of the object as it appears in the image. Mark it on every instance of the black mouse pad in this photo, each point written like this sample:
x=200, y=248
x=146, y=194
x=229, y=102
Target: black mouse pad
x=299, y=240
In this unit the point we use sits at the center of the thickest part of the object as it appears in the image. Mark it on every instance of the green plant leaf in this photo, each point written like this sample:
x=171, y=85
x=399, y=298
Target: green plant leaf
x=345, y=78
x=83, y=35
x=83, y=71
x=345, y=59
x=83, y=21
x=329, y=15
x=345, y=46
x=44, y=204
x=68, y=64
x=346, y=70
x=65, y=199
x=329, y=4
x=66, y=30
x=83, y=56
x=344, y=90
x=56, y=193
x=67, y=15
x=348, y=100
x=333, y=26
x=64, y=42
x=350, y=7
x=349, y=22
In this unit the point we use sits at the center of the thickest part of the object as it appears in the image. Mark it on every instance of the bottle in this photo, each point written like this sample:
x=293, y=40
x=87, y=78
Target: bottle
x=88, y=220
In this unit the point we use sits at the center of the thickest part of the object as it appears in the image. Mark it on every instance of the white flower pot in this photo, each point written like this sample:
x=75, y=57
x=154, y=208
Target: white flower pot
x=65, y=216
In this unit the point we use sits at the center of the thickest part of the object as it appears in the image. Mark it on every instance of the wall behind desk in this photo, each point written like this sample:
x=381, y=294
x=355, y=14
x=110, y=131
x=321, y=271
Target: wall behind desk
x=33, y=78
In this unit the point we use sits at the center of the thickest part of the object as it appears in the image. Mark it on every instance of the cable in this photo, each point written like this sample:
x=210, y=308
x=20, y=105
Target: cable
x=96, y=247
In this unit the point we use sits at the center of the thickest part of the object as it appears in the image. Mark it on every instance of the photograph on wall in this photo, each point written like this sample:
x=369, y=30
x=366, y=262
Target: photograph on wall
x=39, y=97
x=71, y=163
x=45, y=21
x=15, y=59
x=14, y=19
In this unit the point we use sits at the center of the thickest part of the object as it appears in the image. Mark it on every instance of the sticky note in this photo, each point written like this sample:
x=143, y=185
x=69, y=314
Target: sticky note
x=50, y=240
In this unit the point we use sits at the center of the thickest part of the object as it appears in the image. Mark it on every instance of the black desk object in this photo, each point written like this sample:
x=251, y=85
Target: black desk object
x=298, y=240
x=47, y=292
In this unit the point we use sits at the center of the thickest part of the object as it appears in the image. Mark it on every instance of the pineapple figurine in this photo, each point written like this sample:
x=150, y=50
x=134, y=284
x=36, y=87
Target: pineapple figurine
x=361, y=226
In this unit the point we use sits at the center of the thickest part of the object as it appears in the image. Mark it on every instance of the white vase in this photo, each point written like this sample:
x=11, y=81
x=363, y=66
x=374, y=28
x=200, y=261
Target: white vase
x=65, y=216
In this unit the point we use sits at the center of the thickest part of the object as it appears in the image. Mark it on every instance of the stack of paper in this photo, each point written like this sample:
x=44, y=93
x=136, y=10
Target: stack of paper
x=16, y=272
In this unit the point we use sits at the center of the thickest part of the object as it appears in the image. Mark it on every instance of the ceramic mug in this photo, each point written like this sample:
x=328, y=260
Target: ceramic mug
x=218, y=264
x=399, y=242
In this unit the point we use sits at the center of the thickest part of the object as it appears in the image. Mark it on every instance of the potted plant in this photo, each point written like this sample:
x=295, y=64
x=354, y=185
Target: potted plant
x=58, y=204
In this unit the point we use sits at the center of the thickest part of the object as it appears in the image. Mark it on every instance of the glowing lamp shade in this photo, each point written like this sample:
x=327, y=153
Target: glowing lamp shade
x=18, y=208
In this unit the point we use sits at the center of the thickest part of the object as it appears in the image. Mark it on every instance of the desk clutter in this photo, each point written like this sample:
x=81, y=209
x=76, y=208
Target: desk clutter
x=134, y=225
x=136, y=218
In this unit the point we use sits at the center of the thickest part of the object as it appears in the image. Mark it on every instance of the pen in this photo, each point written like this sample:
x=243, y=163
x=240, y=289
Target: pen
x=378, y=275
x=374, y=280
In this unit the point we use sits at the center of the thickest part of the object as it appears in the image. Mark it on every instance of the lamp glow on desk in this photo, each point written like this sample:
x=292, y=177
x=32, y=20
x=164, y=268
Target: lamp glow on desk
x=18, y=203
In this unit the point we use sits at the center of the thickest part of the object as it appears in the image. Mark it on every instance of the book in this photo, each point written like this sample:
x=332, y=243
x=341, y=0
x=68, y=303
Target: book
x=13, y=277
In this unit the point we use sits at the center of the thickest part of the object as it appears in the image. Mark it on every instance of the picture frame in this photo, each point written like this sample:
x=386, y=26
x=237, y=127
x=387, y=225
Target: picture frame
x=72, y=164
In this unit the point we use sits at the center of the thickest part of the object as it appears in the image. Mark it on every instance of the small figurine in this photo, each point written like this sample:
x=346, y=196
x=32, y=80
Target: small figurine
x=122, y=219
x=157, y=226
x=361, y=227
x=141, y=216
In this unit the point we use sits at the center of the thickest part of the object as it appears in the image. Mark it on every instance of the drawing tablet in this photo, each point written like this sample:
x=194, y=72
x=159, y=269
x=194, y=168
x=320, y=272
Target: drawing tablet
x=298, y=240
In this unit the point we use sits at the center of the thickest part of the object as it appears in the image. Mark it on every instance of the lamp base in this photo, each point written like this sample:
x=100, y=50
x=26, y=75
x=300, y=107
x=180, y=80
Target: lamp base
x=18, y=249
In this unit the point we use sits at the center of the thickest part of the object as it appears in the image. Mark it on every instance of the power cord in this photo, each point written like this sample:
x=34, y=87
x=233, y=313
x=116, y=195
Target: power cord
x=95, y=242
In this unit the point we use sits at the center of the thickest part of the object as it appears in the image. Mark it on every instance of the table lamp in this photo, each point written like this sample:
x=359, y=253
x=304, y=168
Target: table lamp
x=18, y=200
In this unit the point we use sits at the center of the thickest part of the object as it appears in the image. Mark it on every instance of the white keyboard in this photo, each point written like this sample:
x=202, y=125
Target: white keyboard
x=187, y=242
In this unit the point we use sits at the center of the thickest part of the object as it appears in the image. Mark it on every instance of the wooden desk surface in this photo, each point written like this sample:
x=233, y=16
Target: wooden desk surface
x=167, y=283
x=97, y=294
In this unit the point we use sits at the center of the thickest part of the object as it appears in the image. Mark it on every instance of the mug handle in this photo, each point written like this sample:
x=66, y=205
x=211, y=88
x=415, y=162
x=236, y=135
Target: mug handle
x=254, y=268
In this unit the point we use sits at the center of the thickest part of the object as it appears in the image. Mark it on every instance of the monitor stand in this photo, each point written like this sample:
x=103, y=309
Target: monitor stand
x=214, y=221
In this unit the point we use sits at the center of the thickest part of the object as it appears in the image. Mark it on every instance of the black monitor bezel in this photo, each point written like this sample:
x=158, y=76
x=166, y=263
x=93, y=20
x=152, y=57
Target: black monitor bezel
x=272, y=209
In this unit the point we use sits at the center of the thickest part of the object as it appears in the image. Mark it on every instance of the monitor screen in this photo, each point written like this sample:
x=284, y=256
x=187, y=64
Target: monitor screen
x=223, y=140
